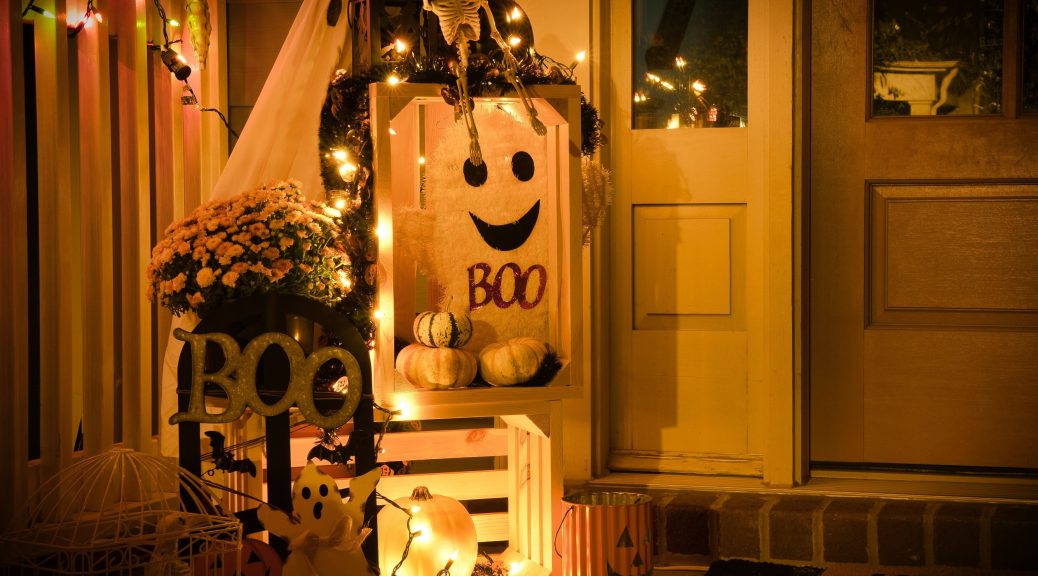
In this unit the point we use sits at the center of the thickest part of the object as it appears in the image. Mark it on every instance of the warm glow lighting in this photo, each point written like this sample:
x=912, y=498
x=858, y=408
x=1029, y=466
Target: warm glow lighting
x=416, y=509
x=339, y=204
x=422, y=533
x=339, y=155
x=393, y=79
x=673, y=122
x=514, y=40
x=378, y=314
x=699, y=86
x=403, y=409
x=173, y=23
x=421, y=160
x=680, y=62
x=514, y=15
x=400, y=46
x=181, y=58
x=667, y=85
x=97, y=16
x=581, y=55
x=515, y=568
x=391, y=131
x=348, y=170
x=341, y=385
x=380, y=230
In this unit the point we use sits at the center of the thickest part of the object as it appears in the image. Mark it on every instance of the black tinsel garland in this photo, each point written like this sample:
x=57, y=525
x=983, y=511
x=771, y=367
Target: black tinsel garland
x=346, y=125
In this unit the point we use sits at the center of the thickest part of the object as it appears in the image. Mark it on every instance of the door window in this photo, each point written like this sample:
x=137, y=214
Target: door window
x=689, y=63
x=937, y=57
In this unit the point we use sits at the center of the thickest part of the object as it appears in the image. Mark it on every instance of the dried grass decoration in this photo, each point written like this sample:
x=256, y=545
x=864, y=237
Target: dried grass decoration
x=121, y=512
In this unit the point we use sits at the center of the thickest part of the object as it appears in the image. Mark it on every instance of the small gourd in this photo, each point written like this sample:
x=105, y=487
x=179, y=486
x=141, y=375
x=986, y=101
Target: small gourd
x=513, y=361
x=446, y=530
x=443, y=329
x=436, y=368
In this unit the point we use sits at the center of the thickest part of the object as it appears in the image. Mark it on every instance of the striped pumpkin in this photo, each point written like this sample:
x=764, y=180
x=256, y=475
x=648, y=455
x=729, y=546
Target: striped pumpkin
x=513, y=361
x=436, y=368
x=443, y=329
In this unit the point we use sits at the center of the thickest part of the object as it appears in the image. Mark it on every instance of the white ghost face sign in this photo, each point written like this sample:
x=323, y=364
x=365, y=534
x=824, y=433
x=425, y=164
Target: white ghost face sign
x=490, y=226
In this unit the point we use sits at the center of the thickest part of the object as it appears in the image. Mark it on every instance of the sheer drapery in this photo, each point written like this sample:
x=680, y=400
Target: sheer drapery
x=279, y=141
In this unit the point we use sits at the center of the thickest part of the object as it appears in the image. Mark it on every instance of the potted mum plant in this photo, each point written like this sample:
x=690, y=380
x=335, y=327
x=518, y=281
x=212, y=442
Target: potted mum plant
x=268, y=240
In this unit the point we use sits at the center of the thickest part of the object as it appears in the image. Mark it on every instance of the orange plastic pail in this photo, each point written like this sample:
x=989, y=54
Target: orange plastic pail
x=606, y=534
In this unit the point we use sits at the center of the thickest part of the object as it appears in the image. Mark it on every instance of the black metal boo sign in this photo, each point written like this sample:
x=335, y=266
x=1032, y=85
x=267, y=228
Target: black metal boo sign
x=237, y=379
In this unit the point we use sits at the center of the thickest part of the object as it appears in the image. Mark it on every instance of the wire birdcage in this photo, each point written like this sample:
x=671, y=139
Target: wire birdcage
x=122, y=512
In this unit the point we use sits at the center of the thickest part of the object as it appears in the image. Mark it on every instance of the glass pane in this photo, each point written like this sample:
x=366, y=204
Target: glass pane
x=689, y=63
x=1031, y=56
x=936, y=57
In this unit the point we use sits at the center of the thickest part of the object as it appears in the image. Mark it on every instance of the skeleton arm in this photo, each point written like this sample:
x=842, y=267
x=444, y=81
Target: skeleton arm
x=512, y=71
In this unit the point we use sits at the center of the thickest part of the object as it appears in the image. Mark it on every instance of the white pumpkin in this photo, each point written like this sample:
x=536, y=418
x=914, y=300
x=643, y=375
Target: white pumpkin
x=446, y=530
x=443, y=329
x=513, y=361
x=436, y=368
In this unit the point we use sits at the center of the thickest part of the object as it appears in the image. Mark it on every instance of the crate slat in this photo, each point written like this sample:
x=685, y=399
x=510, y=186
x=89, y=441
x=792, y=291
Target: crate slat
x=425, y=445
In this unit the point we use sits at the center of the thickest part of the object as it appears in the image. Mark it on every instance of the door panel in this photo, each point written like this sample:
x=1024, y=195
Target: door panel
x=924, y=269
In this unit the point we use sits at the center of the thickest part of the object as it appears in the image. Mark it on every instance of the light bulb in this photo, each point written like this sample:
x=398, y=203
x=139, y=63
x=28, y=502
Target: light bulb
x=339, y=155
x=514, y=40
x=400, y=46
x=393, y=79
x=421, y=160
x=173, y=22
x=581, y=55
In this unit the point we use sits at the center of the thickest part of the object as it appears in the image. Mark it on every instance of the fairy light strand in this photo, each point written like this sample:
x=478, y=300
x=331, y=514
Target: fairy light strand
x=192, y=98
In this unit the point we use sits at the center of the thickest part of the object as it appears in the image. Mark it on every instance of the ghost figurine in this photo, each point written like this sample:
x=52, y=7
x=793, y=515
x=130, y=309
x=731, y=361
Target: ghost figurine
x=324, y=534
x=482, y=234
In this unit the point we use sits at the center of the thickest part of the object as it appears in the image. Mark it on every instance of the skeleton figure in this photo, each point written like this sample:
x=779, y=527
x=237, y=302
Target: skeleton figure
x=459, y=21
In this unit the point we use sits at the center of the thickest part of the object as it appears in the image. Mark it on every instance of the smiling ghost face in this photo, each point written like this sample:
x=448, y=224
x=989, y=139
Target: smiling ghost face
x=490, y=225
x=316, y=501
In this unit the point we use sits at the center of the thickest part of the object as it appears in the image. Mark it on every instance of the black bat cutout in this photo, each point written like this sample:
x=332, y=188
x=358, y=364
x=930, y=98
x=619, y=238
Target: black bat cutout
x=337, y=455
x=224, y=459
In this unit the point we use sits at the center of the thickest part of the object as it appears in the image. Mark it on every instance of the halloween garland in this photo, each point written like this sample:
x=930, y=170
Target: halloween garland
x=345, y=133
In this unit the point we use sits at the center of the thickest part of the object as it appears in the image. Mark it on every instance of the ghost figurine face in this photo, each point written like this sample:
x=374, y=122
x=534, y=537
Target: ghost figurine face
x=490, y=225
x=316, y=501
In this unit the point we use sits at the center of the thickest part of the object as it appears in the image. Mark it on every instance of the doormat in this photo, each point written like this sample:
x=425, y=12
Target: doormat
x=747, y=568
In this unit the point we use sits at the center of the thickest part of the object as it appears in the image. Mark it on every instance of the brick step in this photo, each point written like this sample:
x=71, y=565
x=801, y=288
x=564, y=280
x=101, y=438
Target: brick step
x=697, y=527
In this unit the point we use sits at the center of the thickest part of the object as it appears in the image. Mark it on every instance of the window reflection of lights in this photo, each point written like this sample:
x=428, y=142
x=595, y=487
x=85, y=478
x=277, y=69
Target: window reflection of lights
x=652, y=77
x=674, y=122
x=699, y=86
x=667, y=85
x=639, y=97
x=680, y=62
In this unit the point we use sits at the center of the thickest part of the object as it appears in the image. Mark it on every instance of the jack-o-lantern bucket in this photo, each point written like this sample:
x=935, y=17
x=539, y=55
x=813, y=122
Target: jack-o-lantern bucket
x=606, y=534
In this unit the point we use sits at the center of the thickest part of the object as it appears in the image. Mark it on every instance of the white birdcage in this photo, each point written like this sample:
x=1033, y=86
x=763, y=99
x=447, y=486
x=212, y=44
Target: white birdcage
x=122, y=512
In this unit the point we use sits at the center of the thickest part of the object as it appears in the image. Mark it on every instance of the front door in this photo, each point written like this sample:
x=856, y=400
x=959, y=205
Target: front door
x=700, y=148
x=924, y=234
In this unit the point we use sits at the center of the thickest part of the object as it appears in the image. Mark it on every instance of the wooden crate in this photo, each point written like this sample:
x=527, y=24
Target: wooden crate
x=531, y=439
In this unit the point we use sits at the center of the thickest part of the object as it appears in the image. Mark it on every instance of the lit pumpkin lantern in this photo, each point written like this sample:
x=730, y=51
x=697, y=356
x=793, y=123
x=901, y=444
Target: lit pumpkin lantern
x=444, y=534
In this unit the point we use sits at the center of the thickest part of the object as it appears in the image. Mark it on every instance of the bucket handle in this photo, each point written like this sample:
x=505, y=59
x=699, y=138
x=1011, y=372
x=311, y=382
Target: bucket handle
x=555, y=540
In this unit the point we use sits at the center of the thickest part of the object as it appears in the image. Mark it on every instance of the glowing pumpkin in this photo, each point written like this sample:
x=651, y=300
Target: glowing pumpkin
x=446, y=534
x=436, y=368
x=443, y=329
x=513, y=361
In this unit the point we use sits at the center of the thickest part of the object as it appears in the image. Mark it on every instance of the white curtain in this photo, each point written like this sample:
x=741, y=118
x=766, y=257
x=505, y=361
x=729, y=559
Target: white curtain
x=279, y=141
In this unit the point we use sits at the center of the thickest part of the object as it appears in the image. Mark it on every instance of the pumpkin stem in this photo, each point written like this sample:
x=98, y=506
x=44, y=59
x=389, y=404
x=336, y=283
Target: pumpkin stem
x=421, y=493
x=450, y=300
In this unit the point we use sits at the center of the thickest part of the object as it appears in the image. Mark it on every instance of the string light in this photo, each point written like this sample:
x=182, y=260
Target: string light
x=699, y=86
x=393, y=79
x=174, y=22
x=514, y=40
x=578, y=59
x=89, y=16
x=34, y=8
x=179, y=67
x=514, y=15
x=400, y=46
x=446, y=571
x=680, y=62
x=176, y=63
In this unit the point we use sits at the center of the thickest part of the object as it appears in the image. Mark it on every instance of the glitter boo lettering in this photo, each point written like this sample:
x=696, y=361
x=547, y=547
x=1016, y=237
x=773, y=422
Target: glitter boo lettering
x=482, y=291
